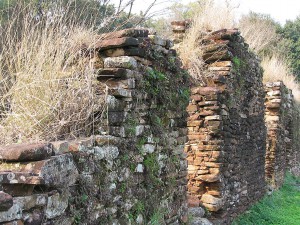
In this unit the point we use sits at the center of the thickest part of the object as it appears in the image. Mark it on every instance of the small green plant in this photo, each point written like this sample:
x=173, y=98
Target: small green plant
x=123, y=187
x=157, y=218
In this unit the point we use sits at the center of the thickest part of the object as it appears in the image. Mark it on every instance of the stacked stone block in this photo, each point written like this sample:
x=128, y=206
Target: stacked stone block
x=226, y=130
x=35, y=184
x=279, y=115
x=133, y=171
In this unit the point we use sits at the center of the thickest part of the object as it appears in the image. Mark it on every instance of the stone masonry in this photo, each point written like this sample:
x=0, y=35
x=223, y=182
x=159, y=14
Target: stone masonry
x=133, y=171
x=279, y=114
x=226, y=130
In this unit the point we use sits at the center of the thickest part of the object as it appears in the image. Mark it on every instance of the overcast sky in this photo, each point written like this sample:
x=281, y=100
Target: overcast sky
x=280, y=10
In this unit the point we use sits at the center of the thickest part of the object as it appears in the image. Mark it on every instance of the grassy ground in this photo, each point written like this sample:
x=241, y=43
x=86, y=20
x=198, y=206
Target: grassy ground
x=281, y=208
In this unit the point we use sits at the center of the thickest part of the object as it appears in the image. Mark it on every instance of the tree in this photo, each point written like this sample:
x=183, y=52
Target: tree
x=291, y=33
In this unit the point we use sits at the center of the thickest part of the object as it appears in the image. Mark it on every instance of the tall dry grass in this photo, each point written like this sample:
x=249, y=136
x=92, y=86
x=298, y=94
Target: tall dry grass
x=259, y=32
x=209, y=17
x=47, y=89
x=276, y=69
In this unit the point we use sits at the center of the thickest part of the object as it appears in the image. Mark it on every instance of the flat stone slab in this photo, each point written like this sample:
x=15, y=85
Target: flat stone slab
x=25, y=152
x=58, y=171
x=116, y=43
x=54, y=206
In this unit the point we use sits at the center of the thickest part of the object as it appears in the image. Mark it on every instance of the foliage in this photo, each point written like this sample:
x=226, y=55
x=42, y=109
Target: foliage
x=260, y=32
x=290, y=32
x=282, y=207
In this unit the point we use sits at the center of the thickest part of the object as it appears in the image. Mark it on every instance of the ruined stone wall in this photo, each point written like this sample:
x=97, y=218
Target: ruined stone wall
x=226, y=130
x=133, y=171
x=279, y=120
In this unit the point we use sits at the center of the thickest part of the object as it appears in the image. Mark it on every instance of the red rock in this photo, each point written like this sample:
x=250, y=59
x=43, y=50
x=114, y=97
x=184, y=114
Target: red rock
x=26, y=152
x=6, y=201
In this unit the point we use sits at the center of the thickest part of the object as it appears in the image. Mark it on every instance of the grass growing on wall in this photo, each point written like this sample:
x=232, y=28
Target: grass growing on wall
x=282, y=207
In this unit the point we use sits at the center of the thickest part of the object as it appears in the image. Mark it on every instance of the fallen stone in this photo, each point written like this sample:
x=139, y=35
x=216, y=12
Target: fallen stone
x=25, y=152
x=120, y=62
x=102, y=45
x=6, y=201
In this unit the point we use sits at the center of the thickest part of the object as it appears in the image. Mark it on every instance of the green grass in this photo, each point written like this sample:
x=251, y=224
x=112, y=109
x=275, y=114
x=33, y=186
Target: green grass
x=281, y=208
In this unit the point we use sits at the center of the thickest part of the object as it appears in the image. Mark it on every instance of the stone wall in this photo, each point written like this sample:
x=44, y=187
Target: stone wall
x=279, y=120
x=133, y=171
x=226, y=130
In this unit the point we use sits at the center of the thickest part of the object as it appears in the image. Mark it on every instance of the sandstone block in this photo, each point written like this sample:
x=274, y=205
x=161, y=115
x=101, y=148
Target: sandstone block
x=212, y=203
x=209, y=177
x=124, y=52
x=25, y=152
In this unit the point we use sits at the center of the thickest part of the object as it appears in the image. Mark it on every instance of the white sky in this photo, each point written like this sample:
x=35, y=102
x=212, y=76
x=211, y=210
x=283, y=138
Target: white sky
x=280, y=10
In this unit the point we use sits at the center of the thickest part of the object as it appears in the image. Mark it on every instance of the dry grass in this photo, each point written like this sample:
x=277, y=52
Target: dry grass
x=259, y=32
x=276, y=69
x=210, y=17
x=47, y=87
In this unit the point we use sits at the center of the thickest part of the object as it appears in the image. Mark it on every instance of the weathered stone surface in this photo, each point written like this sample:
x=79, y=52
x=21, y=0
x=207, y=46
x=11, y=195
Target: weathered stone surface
x=56, y=205
x=209, y=177
x=6, y=201
x=120, y=62
x=55, y=172
x=116, y=43
x=25, y=152
x=14, y=213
